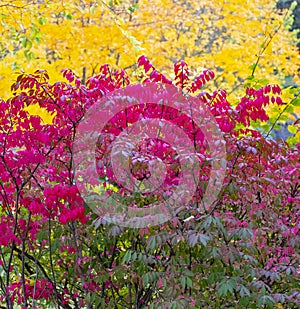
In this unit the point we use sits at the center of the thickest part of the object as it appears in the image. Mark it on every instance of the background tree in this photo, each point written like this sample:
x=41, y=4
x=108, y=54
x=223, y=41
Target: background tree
x=284, y=4
x=82, y=34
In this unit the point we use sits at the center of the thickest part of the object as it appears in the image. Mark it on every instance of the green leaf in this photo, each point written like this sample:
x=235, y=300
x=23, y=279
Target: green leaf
x=126, y=257
x=134, y=42
x=293, y=5
x=41, y=20
x=134, y=256
x=153, y=243
x=263, y=81
x=150, y=277
x=244, y=291
x=193, y=239
x=133, y=7
x=245, y=233
x=216, y=252
x=208, y=221
x=231, y=188
x=296, y=102
x=203, y=239
x=189, y=282
x=293, y=90
x=55, y=245
x=69, y=16
x=24, y=42
x=28, y=54
x=284, y=117
x=289, y=109
x=292, y=140
x=222, y=291
x=251, y=67
x=42, y=235
x=292, y=129
x=183, y=282
x=265, y=300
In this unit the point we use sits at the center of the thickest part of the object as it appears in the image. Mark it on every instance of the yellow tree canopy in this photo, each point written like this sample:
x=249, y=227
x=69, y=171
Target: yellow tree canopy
x=226, y=36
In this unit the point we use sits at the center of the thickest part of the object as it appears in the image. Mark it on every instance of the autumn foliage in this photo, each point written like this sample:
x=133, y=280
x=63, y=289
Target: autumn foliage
x=56, y=252
x=82, y=35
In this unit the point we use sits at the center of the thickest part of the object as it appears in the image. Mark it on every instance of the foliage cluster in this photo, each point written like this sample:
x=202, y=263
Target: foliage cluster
x=55, y=252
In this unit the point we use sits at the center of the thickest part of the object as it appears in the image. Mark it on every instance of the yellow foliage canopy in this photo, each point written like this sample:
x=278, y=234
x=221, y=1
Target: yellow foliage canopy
x=226, y=36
